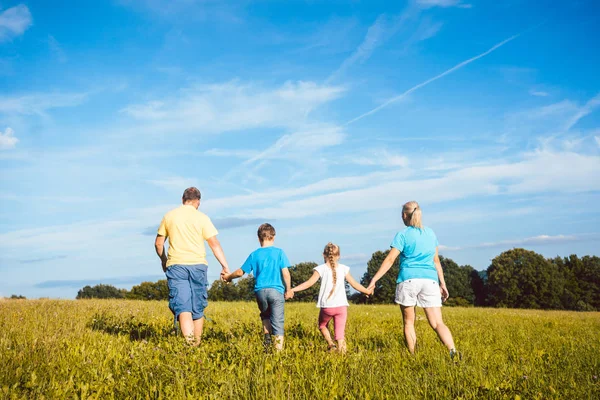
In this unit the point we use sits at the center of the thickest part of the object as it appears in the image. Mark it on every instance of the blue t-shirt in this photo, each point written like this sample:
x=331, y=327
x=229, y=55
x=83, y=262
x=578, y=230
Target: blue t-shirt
x=417, y=250
x=266, y=264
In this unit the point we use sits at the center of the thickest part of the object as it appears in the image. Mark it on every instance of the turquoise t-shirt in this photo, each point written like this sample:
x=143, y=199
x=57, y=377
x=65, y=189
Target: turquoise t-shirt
x=266, y=264
x=417, y=250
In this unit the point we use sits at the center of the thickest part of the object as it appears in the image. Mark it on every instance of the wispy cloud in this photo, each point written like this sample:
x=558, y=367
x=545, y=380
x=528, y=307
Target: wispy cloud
x=540, y=240
x=8, y=139
x=42, y=259
x=597, y=139
x=57, y=49
x=377, y=157
x=538, y=93
x=233, y=106
x=174, y=183
x=442, y=3
x=435, y=78
x=14, y=22
x=583, y=111
x=39, y=103
x=80, y=283
x=220, y=223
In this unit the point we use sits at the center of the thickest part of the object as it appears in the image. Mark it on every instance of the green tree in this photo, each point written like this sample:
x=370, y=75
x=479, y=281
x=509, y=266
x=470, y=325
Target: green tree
x=101, y=291
x=223, y=291
x=300, y=273
x=458, y=280
x=245, y=288
x=385, y=289
x=521, y=278
x=582, y=282
x=17, y=297
x=150, y=291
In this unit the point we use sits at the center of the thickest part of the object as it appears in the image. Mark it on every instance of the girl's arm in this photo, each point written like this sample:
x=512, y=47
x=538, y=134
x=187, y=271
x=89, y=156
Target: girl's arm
x=440, y=271
x=356, y=285
x=385, y=266
x=311, y=281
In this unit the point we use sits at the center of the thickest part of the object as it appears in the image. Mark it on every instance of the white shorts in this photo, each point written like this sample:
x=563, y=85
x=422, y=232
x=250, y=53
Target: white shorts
x=421, y=292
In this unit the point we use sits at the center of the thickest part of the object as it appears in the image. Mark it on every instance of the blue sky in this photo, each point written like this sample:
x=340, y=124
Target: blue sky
x=322, y=117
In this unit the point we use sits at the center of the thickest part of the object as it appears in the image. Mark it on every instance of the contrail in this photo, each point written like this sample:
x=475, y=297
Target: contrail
x=435, y=78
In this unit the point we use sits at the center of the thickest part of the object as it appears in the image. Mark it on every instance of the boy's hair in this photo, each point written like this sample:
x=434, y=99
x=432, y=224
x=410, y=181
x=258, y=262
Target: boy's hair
x=266, y=232
x=190, y=194
x=330, y=252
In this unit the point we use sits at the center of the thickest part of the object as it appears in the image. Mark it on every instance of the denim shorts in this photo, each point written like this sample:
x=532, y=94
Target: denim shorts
x=270, y=303
x=188, y=287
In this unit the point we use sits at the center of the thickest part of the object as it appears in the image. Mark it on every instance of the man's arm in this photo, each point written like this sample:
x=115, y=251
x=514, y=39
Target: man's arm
x=217, y=250
x=287, y=279
x=159, y=246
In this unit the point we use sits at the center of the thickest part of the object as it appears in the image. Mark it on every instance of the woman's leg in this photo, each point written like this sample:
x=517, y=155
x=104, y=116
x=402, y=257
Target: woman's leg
x=434, y=316
x=408, y=317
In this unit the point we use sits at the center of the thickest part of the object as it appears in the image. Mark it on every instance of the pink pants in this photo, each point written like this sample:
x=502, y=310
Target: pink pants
x=339, y=315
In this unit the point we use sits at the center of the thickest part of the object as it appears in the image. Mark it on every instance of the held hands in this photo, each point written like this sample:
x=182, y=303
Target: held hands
x=225, y=275
x=371, y=287
x=444, y=292
x=289, y=294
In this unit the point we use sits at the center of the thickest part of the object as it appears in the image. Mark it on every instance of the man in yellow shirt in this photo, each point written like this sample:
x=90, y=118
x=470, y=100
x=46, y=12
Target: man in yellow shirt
x=185, y=265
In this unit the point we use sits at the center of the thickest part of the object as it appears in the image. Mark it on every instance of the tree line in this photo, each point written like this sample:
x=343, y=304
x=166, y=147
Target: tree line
x=516, y=278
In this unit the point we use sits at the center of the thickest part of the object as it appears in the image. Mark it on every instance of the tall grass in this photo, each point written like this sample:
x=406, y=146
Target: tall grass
x=127, y=349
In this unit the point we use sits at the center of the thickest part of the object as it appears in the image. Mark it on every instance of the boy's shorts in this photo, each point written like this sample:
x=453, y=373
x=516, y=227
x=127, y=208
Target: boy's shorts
x=188, y=287
x=422, y=292
x=271, y=305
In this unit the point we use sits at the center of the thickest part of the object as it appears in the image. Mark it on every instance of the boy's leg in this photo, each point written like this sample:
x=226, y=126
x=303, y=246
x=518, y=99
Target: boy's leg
x=324, y=319
x=267, y=328
x=276, y=304
x=408, y=316
x=265, y=316
x=339, y=324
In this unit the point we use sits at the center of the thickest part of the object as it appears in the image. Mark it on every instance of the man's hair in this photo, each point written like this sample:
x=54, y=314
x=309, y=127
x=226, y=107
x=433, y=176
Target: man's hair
x=266, y=232
x=190, y=194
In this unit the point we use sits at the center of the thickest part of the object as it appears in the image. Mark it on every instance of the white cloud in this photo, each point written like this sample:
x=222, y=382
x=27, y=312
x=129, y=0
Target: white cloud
x=539, y=172
x=39, y=103
x=540, y=240
x=381, y=158
x=442, y=3
x=8, y=139
x=583, y=111
x=175, y=183
x=57, y=49
x=538, y=93
x=597, y=139
x=232, y=106
x=14, y=22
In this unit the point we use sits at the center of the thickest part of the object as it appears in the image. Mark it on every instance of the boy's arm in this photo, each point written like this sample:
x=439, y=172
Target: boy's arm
x=235, y=274
x=287, y=279
x=357, y=286
x=311, y=281
x=438, y=266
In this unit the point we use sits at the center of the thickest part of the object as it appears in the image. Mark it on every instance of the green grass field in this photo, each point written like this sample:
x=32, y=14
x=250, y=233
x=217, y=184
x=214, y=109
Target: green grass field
x=126, y=349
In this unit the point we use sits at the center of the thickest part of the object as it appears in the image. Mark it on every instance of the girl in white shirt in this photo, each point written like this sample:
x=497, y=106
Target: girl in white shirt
x=332, y=296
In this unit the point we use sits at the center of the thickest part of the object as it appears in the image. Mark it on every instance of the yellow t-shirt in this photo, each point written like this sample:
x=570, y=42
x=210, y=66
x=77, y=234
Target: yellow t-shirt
x=187, y=229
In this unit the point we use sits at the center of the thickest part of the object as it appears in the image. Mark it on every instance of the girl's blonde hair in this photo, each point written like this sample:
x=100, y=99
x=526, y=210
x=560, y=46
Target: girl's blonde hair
x=413, y=214
x=330, y=252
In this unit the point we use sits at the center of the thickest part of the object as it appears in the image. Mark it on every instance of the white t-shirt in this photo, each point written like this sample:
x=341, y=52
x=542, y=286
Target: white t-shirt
x=338, y=298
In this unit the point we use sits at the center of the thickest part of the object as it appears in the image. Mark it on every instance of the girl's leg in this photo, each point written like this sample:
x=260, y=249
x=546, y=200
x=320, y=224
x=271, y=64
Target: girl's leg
x=339, y=324
x=324, y=319
x=434, y=316
x=408, y=317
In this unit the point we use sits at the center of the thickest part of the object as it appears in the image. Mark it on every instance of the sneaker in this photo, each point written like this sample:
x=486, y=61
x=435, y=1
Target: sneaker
x=455, y=355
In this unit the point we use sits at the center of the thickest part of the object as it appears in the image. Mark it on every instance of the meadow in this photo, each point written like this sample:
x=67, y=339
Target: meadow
x=127, y=349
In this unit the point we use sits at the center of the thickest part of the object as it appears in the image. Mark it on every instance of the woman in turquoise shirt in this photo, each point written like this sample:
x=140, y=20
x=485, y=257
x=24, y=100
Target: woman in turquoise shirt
x=420, y=279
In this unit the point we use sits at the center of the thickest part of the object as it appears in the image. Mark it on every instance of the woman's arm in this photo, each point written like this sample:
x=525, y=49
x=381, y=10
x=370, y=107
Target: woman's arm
x=440, y=271
x=357, y=286
x=311, y=281
x=385, y=267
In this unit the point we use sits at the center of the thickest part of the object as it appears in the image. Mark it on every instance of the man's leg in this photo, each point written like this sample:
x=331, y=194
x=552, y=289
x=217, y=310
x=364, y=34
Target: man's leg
x=198, y=326
x=187, y=326
x=408, y=317
x=434, y=316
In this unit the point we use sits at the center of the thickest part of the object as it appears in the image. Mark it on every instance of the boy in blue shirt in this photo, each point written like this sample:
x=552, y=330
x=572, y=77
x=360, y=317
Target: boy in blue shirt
x=269, y=265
